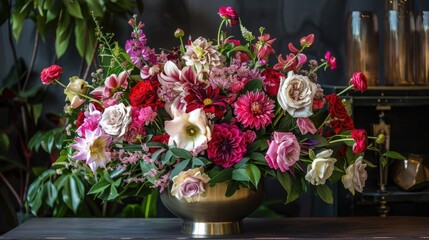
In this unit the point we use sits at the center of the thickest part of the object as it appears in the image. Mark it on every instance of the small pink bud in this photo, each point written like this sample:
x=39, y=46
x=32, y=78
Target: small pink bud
x=132, y=22
x=307, y=41
x=179, y=33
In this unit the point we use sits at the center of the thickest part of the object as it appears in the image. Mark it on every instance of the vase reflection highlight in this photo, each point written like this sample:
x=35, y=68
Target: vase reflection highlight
x=214, y=213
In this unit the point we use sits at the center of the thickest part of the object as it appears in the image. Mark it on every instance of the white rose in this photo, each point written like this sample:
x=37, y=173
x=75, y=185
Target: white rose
x=355, y=177
x=321, y=168
x=296, y=93
x=115, y=120
x=74, y=88
x=190, y=184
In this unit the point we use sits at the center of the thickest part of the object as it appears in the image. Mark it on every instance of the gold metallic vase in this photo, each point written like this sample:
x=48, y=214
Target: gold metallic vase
x=214, y=213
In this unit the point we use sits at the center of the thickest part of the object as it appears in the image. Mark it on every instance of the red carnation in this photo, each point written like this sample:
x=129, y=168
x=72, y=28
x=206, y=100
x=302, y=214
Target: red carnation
x=271, y=81
x=143, y=94
x=50, y=74
x=359, y=81
x=361, y=139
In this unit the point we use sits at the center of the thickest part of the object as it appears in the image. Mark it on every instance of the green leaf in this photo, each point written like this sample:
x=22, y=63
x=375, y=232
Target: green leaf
x=18, y=18
x=394, y=155
x=62, y=34
x=196, y=162
x=253, y=85
x=166, y=158
x=254, y=174
x=4, y=142
x=322, y=142
x=181, y=153
x=287, y=123
x=242, y=162
x=311, y=154
x=294, y=187
x=37, y=111
x=221, y=176
x=231, y=189
x=96, y=7
x=156, y=154
x=257, y=156
x=73, y=8
x=325, y=193
x=113, y=193
x=179, y=167
x=80, y=33
x=75, y=198
x=240, y=175
x=99, y=187
x=51, y=194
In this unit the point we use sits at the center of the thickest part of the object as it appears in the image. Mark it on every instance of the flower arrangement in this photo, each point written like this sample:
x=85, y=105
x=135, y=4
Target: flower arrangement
x=206, y=112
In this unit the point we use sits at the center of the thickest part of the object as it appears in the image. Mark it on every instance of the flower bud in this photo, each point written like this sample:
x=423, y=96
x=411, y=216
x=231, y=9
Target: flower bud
x=132, y=22
x=179, y=33
x=307, y=41
x=380, y=139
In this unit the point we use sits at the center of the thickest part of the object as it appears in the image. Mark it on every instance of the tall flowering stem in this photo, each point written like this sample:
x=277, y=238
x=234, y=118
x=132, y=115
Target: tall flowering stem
x=220, y=30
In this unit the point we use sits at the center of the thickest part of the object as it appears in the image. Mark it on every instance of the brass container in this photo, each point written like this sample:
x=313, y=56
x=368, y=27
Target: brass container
x=215, y=214
x=411, y=173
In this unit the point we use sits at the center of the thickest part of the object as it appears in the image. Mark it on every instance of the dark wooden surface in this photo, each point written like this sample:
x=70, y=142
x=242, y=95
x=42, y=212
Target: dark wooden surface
x=255, y=228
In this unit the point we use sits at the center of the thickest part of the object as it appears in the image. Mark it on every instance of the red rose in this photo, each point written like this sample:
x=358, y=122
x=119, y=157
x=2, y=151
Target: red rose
x=135, y=132
x=50, y=74
x=229, y=14
x=361, y=139
x=159, y=138
x=336, y=107
x=271, y=81
x=343, y=124
x=318, y=104
x=80, y=119
x=359, y=81
x=143, y=94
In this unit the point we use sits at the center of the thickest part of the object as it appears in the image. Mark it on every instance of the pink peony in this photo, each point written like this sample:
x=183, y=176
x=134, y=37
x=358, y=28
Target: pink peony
x=283, y=151
x=227, y=146
x=254, y=110
x=305, y=125
x=51, y=74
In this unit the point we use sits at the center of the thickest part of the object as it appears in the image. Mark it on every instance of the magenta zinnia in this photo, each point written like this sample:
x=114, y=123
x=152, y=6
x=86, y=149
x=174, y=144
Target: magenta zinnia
x=254, y=110
x=227, y=146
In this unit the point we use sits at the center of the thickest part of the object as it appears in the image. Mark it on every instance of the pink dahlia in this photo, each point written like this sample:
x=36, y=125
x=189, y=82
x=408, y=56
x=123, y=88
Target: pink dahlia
x=227, y=146
x=254, y=110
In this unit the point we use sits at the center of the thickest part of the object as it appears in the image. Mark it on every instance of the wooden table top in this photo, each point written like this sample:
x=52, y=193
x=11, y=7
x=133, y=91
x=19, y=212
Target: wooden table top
x=255, y=228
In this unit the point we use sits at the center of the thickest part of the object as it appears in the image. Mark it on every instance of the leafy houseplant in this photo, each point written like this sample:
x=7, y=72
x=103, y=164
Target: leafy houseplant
x=208, y=112
x=21, y=97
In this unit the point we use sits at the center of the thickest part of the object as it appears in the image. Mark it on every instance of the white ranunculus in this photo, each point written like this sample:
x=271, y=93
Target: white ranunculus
x=295, y=95
x=321, y=168
x=190, y=131
x=115, y=120
x=355, y=177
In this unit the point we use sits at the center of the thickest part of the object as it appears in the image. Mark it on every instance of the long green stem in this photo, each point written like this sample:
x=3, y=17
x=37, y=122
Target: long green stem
x=182, y=47
x=318, y=67
x=292, y=59
x=345, y=90
x=219, y=31
x=278, y=117
x=341, y=140
x=324, y=122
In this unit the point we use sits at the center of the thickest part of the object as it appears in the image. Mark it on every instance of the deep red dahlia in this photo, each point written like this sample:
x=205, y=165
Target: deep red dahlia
x=209, y=99
x=227, y=146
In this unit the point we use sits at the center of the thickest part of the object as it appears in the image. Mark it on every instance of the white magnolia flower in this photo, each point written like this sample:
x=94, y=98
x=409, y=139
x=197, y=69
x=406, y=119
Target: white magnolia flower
x=355, y=177
x=295, y=95
x=115, y=120
x=189, y=131
x=321, y=168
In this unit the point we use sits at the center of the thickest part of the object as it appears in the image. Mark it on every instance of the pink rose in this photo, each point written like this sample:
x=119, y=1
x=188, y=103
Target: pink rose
x=135, y=133
x=359, y=81
x=283, y=151
x=50, y=74
x=305, y=125
x=190, y=184
x=191, y=187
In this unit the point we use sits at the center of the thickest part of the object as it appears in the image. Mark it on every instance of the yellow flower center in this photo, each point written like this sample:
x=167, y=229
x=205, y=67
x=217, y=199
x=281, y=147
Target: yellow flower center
x=97, y=149
x=256, y=108
x=192, y=130
x=207, y=101
x=199, y=51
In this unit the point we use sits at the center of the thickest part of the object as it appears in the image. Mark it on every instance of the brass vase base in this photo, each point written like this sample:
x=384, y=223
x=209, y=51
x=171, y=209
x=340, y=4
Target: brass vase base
x=212, y=228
